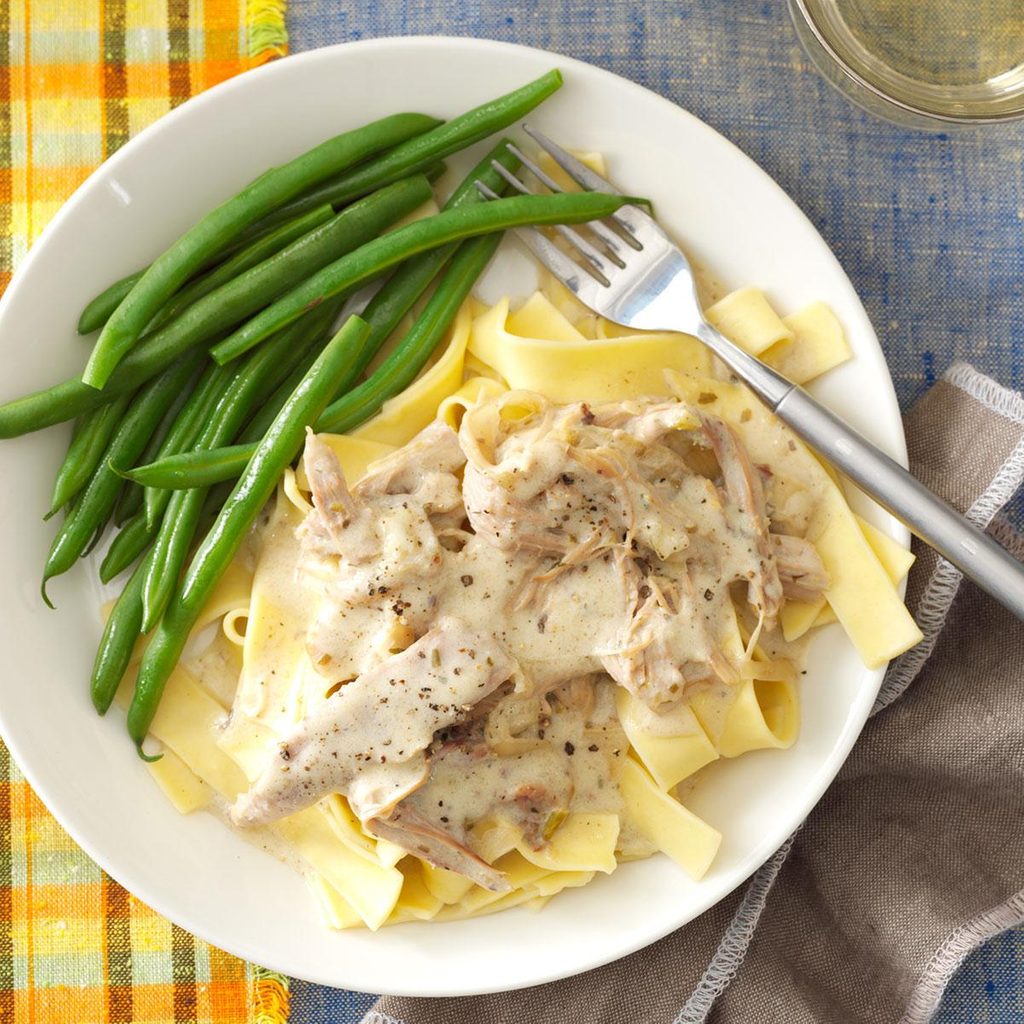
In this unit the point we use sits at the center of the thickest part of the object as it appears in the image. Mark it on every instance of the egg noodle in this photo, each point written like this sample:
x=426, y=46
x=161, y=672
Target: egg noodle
x=233, y=697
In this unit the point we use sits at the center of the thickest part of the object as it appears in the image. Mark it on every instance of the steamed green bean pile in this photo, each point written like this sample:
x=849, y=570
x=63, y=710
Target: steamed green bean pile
x=211, y=362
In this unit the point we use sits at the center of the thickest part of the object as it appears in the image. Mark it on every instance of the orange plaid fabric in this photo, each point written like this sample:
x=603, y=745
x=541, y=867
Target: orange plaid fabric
x=78, y=78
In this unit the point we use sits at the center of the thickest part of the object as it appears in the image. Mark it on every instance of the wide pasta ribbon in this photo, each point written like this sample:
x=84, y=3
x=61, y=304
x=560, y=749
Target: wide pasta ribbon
x=549, y=347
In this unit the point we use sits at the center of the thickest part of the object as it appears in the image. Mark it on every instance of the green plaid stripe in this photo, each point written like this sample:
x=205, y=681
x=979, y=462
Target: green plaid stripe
x=117, y=925
x=183, y=969
x=178, y=55
x=115, y=78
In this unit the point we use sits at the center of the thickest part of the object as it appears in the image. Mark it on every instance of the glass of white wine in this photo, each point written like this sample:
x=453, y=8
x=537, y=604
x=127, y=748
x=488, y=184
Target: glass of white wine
x=922, y=63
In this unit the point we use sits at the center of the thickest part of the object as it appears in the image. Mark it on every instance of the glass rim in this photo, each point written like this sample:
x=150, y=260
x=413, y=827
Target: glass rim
x=800, y=7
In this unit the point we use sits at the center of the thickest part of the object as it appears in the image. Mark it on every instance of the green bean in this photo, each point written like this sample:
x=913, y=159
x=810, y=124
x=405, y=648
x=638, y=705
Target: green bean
x=228, y=531
x=392, y=300
x=307, y=336
x=124, y=624
x=398, y=294
x=385, y=310
x=403, y=365
x=228, y=305
x=218, y=228
x=293, y=365
x=140, y=530
x=72, y=398
x=98, y=311
x=122, y=629
x=320, y=329
x=261, y=228
x=185, y=429
x=215, y=499
x=202, y=468
x=85, y=451
x=132, y=539
x=419, y=152
x=345, y=231
x=245, y=259
x=169, y=550
x=129, y=500
x=196, y=468
x=373, y=258
x=93, y=506
x=254, y=429
x=95, y=538
x=433, y=173
x=191, y=418
x=164, y=475
x=248, y=386
x=128, y=503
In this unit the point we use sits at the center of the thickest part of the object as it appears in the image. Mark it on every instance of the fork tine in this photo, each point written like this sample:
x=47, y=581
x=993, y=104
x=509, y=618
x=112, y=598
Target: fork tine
x=577, y=278
x=534, y=168
x=505, y=173
x=576, y=169
x=597, y=259
x=588, y=179
x=485, y=190
x=612, y=241
x=591, y=253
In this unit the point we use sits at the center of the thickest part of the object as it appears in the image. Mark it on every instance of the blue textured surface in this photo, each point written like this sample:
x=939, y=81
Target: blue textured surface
x=930, y=227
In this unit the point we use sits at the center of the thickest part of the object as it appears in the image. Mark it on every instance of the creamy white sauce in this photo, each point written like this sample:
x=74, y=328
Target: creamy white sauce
x=481, y=594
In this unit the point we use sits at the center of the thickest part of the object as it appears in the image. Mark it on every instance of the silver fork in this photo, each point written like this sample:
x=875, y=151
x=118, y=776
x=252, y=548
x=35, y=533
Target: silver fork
x=634, y=274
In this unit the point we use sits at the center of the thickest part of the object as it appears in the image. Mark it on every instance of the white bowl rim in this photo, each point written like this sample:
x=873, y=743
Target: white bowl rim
x=241, y=947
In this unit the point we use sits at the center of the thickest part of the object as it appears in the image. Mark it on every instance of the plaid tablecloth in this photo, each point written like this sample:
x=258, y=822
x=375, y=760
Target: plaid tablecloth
x=930, y=227
x=77, y=79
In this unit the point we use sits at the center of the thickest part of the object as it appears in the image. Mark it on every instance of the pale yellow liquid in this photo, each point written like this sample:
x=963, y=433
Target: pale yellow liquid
x=943, y=42
x=958, y=59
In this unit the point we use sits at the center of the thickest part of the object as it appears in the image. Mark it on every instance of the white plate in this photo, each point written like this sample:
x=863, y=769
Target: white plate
x=193, y=870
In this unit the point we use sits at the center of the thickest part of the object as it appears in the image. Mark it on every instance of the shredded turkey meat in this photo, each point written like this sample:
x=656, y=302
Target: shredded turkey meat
x=368, y=741
x=481, y=592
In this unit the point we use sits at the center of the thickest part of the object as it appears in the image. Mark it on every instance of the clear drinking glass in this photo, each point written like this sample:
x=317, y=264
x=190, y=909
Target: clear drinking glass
x=921, y=63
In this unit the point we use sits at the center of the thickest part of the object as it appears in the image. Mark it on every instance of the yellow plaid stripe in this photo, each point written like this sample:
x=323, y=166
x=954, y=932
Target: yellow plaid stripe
x=78, y=78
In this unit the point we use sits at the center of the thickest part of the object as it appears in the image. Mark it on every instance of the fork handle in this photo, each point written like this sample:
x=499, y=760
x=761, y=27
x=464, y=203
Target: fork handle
x=959, y=541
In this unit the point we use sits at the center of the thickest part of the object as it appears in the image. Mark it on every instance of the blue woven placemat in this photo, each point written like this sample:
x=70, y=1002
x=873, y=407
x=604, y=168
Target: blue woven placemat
x=930, y=228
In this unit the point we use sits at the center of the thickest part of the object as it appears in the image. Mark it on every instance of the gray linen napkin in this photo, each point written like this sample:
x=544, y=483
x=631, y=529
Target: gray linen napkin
x=916, y=853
